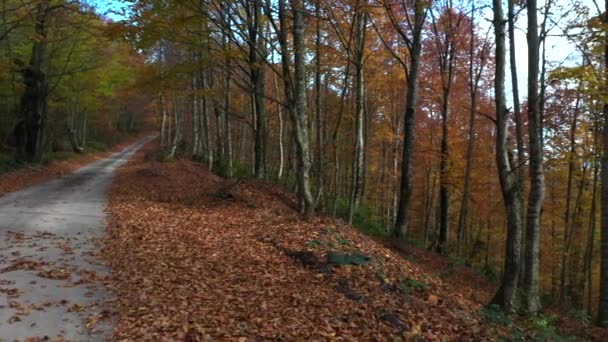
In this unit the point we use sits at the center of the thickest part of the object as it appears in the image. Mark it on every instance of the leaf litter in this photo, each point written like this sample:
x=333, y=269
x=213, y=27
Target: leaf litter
x=189, y=264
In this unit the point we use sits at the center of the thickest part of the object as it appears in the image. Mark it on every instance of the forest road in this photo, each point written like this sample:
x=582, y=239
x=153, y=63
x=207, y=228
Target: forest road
x=51, y=282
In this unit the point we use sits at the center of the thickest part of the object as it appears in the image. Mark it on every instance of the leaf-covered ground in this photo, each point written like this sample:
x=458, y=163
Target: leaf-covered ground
x=195, y=258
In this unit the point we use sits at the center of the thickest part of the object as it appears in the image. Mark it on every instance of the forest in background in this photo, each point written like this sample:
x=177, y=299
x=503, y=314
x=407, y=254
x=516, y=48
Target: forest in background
x=67, y=81
x=393, y=115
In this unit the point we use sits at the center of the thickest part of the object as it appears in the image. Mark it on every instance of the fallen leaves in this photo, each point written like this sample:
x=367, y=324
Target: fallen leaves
x=55, y=273
x=188, y=265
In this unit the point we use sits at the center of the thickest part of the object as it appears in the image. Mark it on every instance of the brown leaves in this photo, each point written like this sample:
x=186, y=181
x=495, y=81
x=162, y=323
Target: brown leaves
x=55, y=273
x=190, y=266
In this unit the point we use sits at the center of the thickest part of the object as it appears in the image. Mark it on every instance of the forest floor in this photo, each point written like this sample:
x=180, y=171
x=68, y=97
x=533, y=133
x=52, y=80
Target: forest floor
x=196, y=257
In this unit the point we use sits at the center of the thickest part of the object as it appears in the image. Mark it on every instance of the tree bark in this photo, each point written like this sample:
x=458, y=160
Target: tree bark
x=603, y=302
x=505, y=297
x=536, y=196
x=359, y=160
x=30, y=132
x=405, y=192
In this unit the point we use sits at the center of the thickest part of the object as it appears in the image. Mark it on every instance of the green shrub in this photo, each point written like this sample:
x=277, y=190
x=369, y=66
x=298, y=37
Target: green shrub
x=220, y=167
x=408, y=285
x=542, y=329
x=582, y=316
x=495, y=314
x=96, y=145
x=7, y=162
x=489, y=273
x=347, y=258
x=363, y=218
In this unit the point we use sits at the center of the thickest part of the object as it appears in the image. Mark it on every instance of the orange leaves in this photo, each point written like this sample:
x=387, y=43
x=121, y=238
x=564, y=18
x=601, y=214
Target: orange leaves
x=188, y=265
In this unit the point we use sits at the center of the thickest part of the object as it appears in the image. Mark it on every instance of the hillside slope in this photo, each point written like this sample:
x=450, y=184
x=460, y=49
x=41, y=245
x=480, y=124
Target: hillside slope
x=196, y=258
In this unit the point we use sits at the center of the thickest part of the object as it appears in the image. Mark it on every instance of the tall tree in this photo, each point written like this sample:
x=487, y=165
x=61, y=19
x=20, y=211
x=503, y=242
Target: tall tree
x=536, y=196
x=509, y=182
x=412, y=69
x=603, y=303
x=359, y=160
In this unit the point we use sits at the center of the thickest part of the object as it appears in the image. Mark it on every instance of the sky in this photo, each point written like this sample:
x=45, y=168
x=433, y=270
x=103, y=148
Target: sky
x=560, y=51
x=109, y=8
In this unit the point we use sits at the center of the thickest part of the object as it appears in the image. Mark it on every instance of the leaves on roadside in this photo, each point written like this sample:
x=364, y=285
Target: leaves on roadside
x=188, y=265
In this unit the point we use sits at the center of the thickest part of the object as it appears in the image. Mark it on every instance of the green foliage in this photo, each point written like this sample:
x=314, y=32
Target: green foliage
x=489, y=273
x=416, y=242
x=409, y=284
x=343, y=241
x=316, y=243
x=97, y=145
x=582, y=316
x=363, y=218
x=347, y=258
x=542, y=328
x=7, y=162
x=495, y=314
x=221, y=168
x=457, y=262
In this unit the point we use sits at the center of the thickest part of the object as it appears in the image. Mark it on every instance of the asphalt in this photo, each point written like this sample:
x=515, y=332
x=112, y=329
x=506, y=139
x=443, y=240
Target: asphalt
x=52, y=285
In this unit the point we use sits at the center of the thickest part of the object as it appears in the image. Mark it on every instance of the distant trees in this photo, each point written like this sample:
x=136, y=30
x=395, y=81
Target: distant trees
x=398, y=121
x=51, y=86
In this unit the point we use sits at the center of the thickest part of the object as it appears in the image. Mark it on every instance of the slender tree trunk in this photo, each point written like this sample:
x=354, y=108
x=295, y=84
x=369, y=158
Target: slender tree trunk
x=568, y=217
x=474, y=79
x=256, y=64
x=281, y=146
x=226, y=140
x=320, y=161
x=510, y=186
x=603, y=303
x=405, y=191
x=445, y=46
x=295, y=85
x=536, y=196
x=592, y=219
x=359, y=160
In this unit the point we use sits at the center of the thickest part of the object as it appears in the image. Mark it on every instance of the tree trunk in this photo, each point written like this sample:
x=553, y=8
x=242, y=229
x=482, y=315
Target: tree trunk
x=30, y=132
x=256, y=64
x=320, y=160
x=474, y=79
x=295, y=86
x=536, y=196
x=603, y=303
x=359, y=160
x=568, y=217
x=505, y=297
x=406, y=188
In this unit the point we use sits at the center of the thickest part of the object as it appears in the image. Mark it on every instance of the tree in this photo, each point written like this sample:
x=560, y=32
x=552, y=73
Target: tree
x=414, y=47
x=536, y=196
x=509, y=182
x=603, y=302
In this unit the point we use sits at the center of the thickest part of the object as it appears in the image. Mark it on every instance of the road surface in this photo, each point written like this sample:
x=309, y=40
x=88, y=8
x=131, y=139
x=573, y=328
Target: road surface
x=51, y=282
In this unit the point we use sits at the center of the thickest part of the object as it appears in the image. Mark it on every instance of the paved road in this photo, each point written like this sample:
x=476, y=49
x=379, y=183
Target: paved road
x=51, y=283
